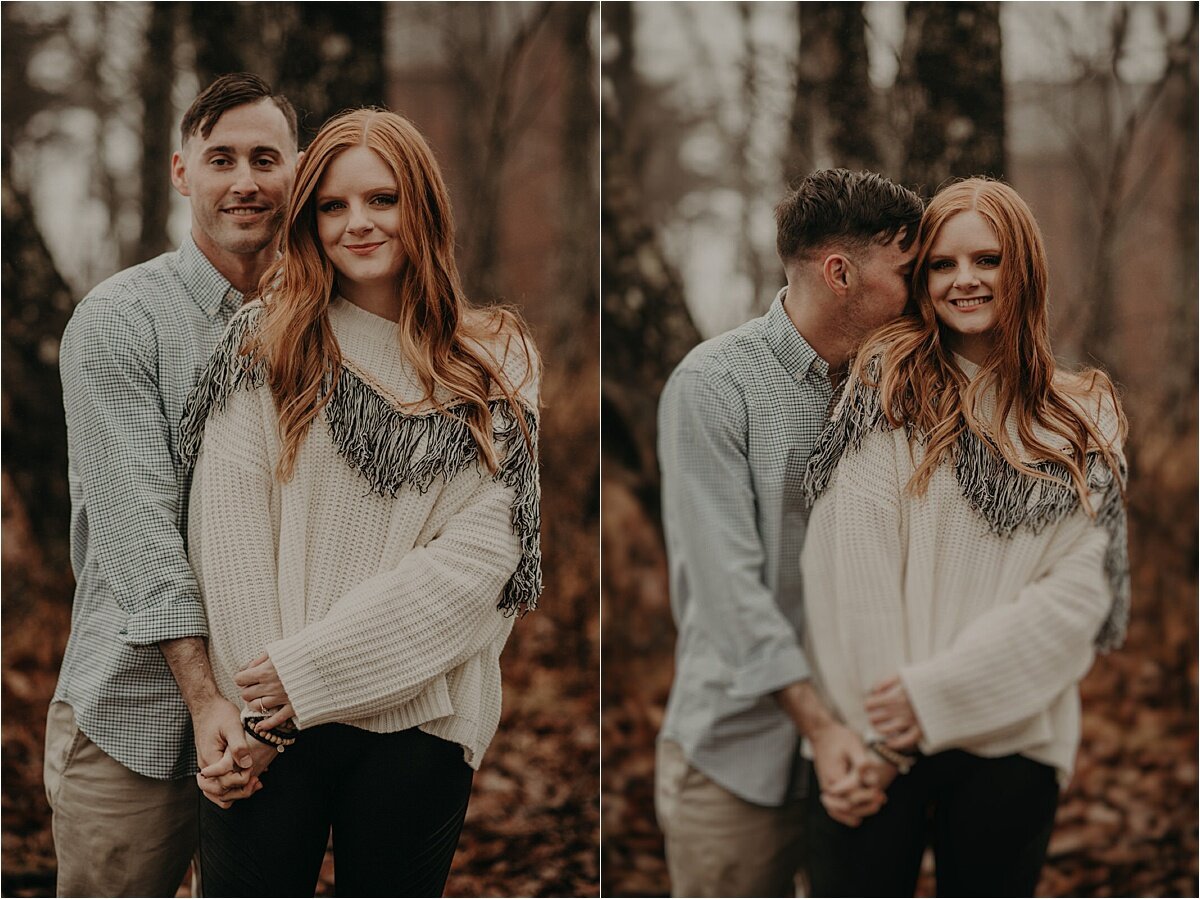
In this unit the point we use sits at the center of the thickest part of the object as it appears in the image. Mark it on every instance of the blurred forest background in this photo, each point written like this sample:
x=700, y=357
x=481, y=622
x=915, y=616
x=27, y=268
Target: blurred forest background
x=1089, y=110
x=507, y=95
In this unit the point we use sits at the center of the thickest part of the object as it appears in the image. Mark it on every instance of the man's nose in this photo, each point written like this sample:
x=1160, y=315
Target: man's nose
x=246, y=182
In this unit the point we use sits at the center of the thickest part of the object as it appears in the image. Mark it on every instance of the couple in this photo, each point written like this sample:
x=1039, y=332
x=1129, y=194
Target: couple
x=305, y=509
x=900, y=582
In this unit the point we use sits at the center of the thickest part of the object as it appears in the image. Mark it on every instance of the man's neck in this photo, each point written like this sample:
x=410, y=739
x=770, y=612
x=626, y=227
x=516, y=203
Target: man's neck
x=242, y=270
x=828, y=341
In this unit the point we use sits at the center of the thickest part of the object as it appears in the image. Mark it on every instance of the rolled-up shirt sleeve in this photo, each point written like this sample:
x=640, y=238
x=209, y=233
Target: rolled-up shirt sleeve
x=119, y=442
x=710, y=515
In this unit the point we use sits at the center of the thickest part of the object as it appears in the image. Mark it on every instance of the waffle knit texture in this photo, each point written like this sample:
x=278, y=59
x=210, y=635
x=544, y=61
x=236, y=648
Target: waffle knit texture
x=380, y=578
x=990, y=618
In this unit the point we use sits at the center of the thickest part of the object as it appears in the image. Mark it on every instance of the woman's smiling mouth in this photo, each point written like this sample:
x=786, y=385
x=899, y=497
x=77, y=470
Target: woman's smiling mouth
x=362, y=249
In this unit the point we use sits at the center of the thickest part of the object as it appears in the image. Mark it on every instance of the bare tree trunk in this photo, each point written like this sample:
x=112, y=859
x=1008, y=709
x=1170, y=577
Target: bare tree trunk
x=212, y=26
x=324, y=57
x=487, y=57
x=158, y=116
x=745, y=181
x=645, y=325
x=579, y=273
x=1180, y=399
x=952, y=84
x=37, y=304
x=834, y=123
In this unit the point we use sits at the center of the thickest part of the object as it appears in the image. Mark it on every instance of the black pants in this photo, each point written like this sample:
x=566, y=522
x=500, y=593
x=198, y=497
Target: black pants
x=989, y=821
x=395, y=802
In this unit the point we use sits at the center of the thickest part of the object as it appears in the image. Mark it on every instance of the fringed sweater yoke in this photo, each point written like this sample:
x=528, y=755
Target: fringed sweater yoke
x=383, y=577
x=988, y=595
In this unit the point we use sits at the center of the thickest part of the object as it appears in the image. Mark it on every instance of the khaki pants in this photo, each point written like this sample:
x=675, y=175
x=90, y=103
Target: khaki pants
x=719, y=844
x=116, y=833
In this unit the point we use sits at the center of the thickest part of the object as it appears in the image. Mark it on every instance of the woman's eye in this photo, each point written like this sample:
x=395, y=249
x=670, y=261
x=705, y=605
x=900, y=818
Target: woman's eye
x=330, y=206
x=941, y=265
x=384, y=200
x=991, y=261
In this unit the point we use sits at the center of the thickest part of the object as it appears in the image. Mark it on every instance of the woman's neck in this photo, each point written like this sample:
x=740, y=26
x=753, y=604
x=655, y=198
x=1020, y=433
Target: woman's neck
x=972, y=347
x=382, y=300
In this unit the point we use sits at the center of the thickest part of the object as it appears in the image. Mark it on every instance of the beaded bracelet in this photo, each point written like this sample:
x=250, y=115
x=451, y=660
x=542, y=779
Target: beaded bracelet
x=269, y=738
x=902, y=760
x=286, y=730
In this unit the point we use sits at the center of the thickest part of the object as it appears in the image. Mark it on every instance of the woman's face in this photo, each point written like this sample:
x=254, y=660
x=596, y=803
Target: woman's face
x=963, y=275
x=358, y=221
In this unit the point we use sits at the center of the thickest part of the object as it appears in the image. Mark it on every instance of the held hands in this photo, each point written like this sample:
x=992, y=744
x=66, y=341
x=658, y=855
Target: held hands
x=262, y=690
x=891, y=713
x=852, y=778
x=224, y=783
x=233, y=774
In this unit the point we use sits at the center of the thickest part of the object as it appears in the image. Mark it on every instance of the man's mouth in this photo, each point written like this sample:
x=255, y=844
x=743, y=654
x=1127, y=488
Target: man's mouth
x=970, y=302
x=244, y=211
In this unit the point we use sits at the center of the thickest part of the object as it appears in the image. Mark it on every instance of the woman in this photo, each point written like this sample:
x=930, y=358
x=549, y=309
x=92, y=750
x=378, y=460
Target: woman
x=363, y=524
x=965, y=557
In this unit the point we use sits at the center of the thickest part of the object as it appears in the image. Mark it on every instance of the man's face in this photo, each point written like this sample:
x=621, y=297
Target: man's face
x=238, y=179
x=884, y=272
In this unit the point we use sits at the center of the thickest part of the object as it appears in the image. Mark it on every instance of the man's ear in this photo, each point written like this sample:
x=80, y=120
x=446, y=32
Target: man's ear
x=836, y=269
x=179, y=175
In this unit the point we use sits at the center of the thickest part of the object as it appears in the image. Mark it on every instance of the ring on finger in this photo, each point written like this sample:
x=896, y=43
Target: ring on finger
x=261, y=707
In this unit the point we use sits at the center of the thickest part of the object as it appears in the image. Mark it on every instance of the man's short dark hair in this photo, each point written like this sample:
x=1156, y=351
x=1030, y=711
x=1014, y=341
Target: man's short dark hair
x=228, y=91
x=853, y=208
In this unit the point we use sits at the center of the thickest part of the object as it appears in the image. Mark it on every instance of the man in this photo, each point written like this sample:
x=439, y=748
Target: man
x=135, y=683
x=737, y=422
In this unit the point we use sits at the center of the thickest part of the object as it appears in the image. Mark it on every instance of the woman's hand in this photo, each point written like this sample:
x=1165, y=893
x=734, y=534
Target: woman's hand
x=890, y=713
x=262, y=690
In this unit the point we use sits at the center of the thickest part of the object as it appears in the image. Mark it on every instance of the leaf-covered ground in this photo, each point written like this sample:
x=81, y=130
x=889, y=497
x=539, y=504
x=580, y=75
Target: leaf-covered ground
x=1127, y=824
x=533, y=824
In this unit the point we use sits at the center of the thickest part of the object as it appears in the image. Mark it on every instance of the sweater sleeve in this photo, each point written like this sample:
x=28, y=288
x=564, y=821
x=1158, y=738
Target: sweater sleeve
x=231, y=536
x=390, y=635
x=866, y=569
x=1012, y=662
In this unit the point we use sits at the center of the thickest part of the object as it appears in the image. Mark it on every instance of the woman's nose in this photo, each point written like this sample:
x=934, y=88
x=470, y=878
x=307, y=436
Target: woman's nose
x=966, y=277
x=359, y=220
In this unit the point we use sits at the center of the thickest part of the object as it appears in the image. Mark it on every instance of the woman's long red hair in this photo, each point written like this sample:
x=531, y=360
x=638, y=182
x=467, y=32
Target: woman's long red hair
x=920, y=386
x=440, y=334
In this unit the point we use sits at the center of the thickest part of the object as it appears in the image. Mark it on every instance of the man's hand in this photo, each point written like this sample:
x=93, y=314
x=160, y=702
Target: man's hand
x=215, y=720
x=218, y=730
x=890, y=712
x=262, y=689
x=851, y=787
x=222, y=783
x=839, y=757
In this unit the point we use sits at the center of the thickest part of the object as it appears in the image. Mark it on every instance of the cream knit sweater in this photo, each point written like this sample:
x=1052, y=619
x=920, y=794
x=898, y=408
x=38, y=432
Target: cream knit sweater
x=989, y=631
x=372, y=577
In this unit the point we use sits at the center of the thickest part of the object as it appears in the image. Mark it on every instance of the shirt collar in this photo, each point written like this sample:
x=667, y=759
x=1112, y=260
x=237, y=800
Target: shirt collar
x=211, y=290
x=792, y=350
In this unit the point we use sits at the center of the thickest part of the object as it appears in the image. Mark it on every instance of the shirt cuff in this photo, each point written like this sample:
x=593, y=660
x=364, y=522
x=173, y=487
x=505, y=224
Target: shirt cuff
x=167, y=620
x=773, y=671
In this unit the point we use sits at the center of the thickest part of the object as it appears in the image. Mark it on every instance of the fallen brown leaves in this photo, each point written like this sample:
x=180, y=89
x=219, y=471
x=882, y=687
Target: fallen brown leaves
x=533, y=824
x=1127, y=824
